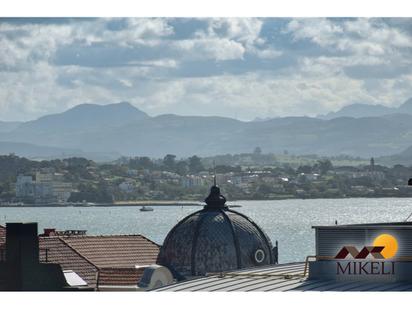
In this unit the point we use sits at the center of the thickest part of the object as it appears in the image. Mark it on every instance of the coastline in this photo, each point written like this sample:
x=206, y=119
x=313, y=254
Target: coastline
x=154, y=203
x=114, y=204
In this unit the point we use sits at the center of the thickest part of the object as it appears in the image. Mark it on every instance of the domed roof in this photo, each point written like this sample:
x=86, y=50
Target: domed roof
x=215, y=239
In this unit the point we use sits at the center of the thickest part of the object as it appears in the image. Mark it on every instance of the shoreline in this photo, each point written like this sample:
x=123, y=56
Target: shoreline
x=183, y=203
x=115, y=204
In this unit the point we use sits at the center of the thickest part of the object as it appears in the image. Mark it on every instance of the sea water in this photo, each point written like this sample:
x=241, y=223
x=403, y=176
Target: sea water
x=287, y=221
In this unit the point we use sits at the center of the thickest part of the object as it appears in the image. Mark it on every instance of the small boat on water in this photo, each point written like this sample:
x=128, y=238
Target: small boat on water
x=146, y=208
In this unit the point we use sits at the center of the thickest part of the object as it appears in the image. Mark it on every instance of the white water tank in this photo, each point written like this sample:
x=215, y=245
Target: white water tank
x=155, y=276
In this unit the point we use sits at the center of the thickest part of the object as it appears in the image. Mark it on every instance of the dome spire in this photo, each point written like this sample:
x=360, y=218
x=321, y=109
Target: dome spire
x=215, y=199
x=214, y=173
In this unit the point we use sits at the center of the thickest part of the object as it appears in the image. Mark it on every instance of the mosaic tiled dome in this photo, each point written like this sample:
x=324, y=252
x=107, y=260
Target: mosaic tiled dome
x=215, y=239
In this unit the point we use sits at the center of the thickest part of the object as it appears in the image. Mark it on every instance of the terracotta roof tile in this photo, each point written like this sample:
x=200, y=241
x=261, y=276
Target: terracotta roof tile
x=2, y=236
x=118, y=251
x=120, y=276
x=2, y=243
x=59, y=252
x=114, y=256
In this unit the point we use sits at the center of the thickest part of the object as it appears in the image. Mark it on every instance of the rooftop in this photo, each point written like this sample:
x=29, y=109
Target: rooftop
x=112, y=259
x=101, y=260
x=69, y=259
x=281, y=277
x=2, y=236
x=120, y=276
x=119, y=251
x=401, y=225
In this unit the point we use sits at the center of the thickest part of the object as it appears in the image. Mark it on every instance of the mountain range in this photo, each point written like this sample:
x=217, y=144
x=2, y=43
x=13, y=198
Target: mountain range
x=7, y=126
x=108, y=131
x=367, y=110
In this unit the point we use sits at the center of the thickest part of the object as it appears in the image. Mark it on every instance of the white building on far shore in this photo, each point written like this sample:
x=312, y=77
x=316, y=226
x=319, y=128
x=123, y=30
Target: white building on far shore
x=46, y=188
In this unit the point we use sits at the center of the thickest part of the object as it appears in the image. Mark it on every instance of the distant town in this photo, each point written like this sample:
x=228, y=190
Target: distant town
x=248, y=176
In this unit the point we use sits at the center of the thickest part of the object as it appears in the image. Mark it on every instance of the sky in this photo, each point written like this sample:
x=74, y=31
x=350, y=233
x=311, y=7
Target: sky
x=241, y=68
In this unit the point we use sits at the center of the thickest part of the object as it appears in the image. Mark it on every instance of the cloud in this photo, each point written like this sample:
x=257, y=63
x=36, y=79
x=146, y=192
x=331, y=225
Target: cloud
x=244, y=30
x=362, y=48
x=237, y=67
x=321, y=31
x=360, y=36
x=268, y=53
x=210, y=48
x=30, y=42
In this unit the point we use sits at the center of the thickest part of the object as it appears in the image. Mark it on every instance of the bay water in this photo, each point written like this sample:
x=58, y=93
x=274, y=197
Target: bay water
x=287, y=221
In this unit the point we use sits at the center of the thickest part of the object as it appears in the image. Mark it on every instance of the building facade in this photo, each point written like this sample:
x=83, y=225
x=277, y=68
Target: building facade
x=47, y=187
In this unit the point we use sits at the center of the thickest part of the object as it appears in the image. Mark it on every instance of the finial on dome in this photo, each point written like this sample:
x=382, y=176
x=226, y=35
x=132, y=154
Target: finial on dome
x=215, y=199
x=214, y=173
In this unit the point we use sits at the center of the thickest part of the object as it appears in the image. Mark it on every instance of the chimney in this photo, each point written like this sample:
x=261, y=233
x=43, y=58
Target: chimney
x=22, y=243
x=48, y=232
x=22, y=271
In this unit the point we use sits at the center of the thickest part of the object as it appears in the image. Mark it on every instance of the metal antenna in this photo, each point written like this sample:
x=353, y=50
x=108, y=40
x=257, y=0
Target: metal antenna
x=214, y=173
x=409, y=184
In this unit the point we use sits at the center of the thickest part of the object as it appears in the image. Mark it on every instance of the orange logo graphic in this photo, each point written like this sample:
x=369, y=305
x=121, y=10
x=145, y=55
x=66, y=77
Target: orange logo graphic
x=384, y=246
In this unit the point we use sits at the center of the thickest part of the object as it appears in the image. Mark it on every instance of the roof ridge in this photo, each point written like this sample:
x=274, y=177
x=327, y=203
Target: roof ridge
x=111, y=235
x=118, y=267
x=102, y=235
x=149, y=240
x=78, y=253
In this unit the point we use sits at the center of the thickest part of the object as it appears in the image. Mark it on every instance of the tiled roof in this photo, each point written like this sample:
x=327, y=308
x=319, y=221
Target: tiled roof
x=2, y=242
x=114, y=256
x=111, y=258
x=2, y=236
x=2, y=253
x=120, y=276
x=69, y=259
x=119, y=251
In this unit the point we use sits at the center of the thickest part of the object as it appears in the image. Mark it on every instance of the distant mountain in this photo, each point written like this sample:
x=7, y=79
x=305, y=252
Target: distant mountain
x=33, y=151
x=66, y=130
x=7, y=126
x=404, y=157
x=259, y=119
x=367, y=110
x=125, y=130
x=46, y=153
x=86, y=117
x=406, y=107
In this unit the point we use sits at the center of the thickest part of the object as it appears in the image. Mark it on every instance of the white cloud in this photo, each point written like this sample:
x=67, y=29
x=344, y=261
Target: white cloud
x=25, y=95
x=315, y=82
x=22, y=44
x=268, y=53
x=165, y=63
x=378, y=32
x=244, y=30
x=210, y=48
x=226, y=39
x=138, y=30
x=126, y=82
x=362, y=36
x=250, y=95
x=320, y=31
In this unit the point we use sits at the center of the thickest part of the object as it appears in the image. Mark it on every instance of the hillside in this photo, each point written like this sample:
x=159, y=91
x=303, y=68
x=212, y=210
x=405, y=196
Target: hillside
x=7, y=126
x=123, y=129
x=367, y=110
x=38, y=152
